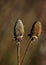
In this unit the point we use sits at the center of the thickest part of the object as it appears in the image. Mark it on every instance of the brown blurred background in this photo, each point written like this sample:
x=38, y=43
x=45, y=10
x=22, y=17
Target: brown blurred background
x=29, y=11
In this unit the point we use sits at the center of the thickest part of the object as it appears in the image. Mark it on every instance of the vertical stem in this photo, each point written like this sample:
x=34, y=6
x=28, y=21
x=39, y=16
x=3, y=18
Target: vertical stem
x=18, y=53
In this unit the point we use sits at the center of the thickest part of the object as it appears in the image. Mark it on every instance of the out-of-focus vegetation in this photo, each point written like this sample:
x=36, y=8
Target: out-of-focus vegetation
x=29, y=11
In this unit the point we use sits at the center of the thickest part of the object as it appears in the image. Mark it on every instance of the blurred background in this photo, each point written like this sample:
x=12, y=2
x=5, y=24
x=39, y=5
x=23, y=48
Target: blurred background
x=29, y=11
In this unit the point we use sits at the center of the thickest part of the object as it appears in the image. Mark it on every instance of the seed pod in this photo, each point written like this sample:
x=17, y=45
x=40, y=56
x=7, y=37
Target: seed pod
x=36, y=29
x=18, y=30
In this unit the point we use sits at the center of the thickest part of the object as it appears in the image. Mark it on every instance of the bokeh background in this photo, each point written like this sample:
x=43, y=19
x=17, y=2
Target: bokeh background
x=29, y=11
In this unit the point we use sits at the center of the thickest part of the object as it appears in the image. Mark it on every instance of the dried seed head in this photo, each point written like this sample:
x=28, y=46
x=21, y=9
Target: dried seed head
x=36, y=29
x=18, y=30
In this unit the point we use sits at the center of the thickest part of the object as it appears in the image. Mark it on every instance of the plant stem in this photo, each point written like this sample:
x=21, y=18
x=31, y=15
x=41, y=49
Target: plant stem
x=18, y=53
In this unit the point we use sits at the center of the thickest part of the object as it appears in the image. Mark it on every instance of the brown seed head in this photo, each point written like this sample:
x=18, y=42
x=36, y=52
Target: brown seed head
x=36, y=29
